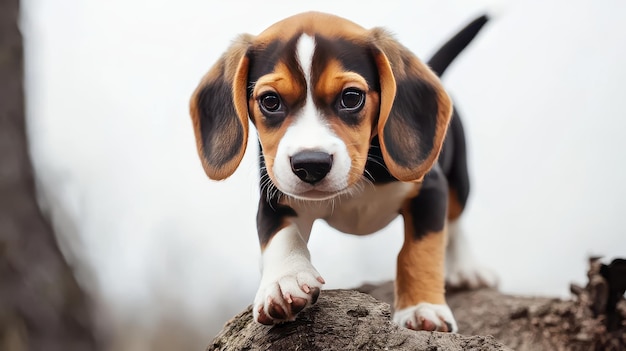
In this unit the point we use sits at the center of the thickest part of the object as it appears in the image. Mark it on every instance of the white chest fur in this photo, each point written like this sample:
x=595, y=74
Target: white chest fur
x=362, y=213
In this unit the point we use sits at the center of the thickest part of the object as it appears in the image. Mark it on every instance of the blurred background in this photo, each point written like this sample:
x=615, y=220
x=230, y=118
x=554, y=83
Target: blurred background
x=168, y=256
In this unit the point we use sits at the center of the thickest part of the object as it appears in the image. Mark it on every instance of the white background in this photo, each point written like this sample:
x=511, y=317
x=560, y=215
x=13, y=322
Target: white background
x=541, y=92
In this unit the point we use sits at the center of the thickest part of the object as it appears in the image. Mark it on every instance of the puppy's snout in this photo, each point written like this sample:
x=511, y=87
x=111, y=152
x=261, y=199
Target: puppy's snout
x=311, y=166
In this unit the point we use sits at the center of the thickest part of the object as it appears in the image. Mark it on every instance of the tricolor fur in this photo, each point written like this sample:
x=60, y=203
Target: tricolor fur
x=351, y=125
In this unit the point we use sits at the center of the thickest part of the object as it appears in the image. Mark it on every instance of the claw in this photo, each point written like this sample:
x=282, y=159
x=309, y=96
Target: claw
x=445, y=326
x=427, y=325
x=263, y=318
x=287, y=297
x=315, y=293
x=298, y=305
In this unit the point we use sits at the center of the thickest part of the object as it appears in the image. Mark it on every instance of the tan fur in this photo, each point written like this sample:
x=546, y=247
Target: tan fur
x=335, y=79
x=454, y=207
x=420, y=270
x=281, y=81
x=353, y=138
x=313, y=23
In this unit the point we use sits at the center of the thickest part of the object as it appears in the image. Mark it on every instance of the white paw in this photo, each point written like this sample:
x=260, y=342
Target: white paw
x=470, y=276
x=282, y=295
x=426, y=316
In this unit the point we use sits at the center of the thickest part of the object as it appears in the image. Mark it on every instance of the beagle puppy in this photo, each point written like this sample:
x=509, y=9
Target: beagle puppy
x=353, y=129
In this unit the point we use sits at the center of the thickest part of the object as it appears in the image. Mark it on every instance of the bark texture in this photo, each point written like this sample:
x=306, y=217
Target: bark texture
x=41, y=305
x=594, y=319
x=341, y=320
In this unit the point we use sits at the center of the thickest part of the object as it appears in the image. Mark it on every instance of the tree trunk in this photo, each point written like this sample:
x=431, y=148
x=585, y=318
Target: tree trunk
x=41, y=305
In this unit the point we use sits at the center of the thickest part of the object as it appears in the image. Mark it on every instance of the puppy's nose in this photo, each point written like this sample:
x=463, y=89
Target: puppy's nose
x=311, y=166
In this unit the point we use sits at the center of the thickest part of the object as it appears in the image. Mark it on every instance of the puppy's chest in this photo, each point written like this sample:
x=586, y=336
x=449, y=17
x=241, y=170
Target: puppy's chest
x=370, y=210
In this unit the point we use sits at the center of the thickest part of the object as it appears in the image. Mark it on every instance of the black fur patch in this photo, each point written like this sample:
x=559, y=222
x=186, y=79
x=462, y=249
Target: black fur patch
x=451, y=49
x=262, y=61
x=453, y=159
x=270, y=218
x=410, y=129
x=429, y=209
x=270, y=215
x=375, y=167
x=354, y=57
x=218, y=118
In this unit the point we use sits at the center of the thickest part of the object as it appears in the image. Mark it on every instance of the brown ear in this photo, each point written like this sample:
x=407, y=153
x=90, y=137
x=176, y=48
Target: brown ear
x=219, y=112
x=414, y=110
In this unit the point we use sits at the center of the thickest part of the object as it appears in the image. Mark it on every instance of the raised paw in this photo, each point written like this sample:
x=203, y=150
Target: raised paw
x=280, y=300
x=428, y=317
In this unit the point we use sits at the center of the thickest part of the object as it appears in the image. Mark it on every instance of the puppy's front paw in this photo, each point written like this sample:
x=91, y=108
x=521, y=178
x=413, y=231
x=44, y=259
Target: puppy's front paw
x=426, y=316
x=282, y=298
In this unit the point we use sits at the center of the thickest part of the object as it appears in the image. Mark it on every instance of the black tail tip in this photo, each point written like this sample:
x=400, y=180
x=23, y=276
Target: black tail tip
x=440, y=61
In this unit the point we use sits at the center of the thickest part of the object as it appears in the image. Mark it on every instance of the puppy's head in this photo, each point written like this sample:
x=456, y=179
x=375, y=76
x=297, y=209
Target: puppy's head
x=319, y=88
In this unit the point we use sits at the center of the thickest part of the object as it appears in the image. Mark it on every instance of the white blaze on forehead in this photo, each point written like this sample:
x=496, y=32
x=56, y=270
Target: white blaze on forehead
x=305, y=51
x=309, y=131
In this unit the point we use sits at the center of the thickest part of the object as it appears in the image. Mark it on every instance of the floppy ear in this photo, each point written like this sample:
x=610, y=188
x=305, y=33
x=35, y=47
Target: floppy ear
x=414, y=110
x=219, y=112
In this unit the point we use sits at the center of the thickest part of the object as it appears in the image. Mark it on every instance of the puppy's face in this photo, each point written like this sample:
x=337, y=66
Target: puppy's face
x=314, y=102
x=318, y=88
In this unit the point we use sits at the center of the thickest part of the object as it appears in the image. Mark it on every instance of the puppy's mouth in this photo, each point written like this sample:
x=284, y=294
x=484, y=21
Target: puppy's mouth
x=317, y=195
x=300, y=190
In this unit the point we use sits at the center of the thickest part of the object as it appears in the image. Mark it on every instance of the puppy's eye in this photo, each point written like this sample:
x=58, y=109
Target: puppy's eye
x=270, y=103
x=352, y=100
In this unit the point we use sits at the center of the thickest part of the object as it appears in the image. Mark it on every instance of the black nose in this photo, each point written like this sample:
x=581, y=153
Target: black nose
x=311, y=166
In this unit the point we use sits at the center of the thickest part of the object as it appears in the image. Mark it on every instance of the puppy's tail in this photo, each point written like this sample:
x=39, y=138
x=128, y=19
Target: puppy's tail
x=440, y=61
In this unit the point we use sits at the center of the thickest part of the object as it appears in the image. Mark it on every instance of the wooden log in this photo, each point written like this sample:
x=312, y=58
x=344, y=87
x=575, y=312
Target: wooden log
x=587, y=321
x=341, y=320
x=488, y=320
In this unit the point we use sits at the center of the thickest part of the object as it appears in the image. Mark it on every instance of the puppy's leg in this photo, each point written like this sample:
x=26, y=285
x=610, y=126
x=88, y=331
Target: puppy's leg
x=289, y=282
x=463, y=271
x=420, y=294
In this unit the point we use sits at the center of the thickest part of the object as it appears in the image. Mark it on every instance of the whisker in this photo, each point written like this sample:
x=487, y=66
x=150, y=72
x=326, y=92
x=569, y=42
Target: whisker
x=368, y=174
x=370, y=158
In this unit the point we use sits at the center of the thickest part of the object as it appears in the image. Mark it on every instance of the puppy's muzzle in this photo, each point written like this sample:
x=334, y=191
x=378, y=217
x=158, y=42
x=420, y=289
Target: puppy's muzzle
x=311, y=166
